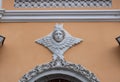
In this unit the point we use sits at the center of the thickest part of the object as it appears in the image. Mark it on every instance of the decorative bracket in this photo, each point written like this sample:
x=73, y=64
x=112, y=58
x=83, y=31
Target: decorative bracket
x=2, y=11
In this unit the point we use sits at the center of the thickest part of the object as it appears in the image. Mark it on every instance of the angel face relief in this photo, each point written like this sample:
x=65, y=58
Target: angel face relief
x=58, y=35
x=58, y=41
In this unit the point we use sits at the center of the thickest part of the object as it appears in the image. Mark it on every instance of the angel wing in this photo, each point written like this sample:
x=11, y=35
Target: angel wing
x=45, y=41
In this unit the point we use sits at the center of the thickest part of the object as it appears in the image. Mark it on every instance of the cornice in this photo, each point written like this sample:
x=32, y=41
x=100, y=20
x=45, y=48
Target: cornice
x=60, y=16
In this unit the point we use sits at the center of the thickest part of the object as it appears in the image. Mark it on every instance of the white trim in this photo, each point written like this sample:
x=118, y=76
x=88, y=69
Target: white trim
x=61, y=15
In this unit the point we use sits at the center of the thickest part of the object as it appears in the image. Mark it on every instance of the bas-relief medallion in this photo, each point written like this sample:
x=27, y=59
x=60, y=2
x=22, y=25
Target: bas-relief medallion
x=58, y=41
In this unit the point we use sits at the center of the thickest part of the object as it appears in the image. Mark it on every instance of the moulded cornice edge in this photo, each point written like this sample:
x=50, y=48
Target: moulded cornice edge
x=61, y=15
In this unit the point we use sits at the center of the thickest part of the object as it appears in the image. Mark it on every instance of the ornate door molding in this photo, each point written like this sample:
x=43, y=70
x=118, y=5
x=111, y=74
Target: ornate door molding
x=60, y=69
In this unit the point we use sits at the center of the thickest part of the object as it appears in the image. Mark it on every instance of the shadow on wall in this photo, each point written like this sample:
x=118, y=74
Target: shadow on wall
x=116, y=53
x=2, y=50
x=117, y=49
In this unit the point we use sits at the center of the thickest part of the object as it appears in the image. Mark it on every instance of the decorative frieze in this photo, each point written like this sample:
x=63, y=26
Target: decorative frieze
x=61, y=3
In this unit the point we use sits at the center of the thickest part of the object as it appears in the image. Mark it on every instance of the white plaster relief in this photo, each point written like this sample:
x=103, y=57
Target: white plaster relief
x=58, y=41
x=57, y=65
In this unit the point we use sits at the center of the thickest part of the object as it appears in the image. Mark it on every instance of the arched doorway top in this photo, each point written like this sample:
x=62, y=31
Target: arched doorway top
x=61, y=68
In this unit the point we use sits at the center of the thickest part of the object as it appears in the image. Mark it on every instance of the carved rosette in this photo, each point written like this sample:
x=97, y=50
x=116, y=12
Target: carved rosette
x=59, y=63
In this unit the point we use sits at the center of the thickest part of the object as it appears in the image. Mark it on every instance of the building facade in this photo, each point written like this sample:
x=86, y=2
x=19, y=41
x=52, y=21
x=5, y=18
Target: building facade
x=98, y=25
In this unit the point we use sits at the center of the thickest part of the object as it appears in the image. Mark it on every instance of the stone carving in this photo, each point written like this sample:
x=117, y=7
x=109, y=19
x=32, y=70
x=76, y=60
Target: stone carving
x=58, y=41
x=59, y=63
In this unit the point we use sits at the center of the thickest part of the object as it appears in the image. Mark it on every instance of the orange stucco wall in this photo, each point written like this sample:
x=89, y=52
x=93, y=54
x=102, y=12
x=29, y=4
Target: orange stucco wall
x=9, y=5
x=99, y=52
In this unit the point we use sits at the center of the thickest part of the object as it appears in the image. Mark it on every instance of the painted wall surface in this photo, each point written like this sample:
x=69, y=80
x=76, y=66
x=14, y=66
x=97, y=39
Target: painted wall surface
x=99, y=52
x=9, y=5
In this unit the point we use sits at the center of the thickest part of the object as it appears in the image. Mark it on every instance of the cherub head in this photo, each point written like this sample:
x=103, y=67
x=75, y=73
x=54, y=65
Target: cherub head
x=58, y=34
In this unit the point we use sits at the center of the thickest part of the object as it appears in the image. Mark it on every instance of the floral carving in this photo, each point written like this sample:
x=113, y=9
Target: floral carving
x=59, y=63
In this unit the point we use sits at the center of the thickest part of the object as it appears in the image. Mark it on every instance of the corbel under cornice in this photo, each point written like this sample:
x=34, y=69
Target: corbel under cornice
x=60, y=15
x=2, y=11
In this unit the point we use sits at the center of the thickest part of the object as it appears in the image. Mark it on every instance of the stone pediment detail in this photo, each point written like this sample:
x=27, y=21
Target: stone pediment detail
x=59, y=64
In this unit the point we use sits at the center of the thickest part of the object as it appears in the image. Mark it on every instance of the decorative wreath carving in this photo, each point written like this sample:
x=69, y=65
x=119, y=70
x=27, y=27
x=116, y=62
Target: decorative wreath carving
x=59, y=63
